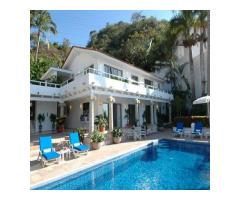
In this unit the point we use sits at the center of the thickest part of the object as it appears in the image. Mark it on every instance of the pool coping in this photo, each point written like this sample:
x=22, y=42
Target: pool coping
x=104, y=161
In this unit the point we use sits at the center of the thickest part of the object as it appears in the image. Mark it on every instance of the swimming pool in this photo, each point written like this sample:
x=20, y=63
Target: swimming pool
x=167, y=165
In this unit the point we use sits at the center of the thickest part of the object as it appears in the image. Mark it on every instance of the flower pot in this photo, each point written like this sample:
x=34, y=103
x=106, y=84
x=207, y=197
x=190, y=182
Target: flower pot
x=96, y=145
x=117, y=140
x=102, y=128
x=60, y=128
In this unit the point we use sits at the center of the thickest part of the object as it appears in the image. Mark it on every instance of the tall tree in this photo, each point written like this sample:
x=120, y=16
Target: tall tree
x=208, y=53
x=42, y=21
x=183, y=24
x=202, y=26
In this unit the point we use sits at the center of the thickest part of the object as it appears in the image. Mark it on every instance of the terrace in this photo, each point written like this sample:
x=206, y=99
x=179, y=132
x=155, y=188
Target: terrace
x=96, y=80
x=69, y=165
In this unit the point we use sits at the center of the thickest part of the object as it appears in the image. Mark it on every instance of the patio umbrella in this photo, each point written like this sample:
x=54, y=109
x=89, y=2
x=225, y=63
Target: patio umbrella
x=202, y=100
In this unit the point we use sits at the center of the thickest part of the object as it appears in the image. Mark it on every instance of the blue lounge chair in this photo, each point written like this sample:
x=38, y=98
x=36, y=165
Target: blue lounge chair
x=47, y=152
x=179, y=129
x=198, y=129
x=76, y=146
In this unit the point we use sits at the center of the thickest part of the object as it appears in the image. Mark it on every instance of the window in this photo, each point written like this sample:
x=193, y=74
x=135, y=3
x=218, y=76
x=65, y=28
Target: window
x=148, y=82
x=148, y=114
x=32, y=110
x=134, y=79
x=85, y=109
x=131, y=114
x=111, y=70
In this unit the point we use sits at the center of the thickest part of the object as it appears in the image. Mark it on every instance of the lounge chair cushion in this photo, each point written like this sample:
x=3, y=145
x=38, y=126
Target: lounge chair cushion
x=47, y=150
x=198, y=130
x=81, y=148
x=51, y=155
x=179, y=130
x=76, y=144
x=74, y=138
x=45, y=142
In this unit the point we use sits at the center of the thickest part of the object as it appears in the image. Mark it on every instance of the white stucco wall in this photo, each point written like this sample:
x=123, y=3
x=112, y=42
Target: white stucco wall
x=81, y=61
x=47, y=108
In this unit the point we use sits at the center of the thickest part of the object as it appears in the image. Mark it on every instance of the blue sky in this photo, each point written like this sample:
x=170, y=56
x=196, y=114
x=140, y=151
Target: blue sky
x=76, y=25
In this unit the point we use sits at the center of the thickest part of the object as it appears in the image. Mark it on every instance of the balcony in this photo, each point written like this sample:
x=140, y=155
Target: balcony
x=94, y=79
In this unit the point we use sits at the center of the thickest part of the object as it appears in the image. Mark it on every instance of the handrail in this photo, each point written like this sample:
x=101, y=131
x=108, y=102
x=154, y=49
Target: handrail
x=99, y=73
x=43, y=83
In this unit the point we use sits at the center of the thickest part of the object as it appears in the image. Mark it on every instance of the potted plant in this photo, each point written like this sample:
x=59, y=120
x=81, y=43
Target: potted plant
x=81, y=132
x=96, y=139
x=60, y=124
x=117, y=135
x=53, y=119
x=101, y=122
x=41, y=119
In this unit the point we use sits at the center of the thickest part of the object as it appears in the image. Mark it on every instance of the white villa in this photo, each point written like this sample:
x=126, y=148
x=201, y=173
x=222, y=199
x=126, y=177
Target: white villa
x=94, y=83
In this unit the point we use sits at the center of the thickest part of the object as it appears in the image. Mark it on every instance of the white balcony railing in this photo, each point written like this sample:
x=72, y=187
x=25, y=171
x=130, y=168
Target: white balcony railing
x=99, y=78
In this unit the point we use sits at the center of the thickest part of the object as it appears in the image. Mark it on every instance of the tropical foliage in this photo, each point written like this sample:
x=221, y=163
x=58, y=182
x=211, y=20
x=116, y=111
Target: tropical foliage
x=97, y=137
x=117, y=132
x=44, y=54
x=145, y=42
x=141, y=42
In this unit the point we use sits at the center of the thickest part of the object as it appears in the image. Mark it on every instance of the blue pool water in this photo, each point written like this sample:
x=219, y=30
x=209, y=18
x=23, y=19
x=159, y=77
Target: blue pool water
x=169, y=165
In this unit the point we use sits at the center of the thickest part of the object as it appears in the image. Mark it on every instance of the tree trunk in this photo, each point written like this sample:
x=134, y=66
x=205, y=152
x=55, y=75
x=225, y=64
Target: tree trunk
x=36, y=56
x=203, y=81
x=208, y=54
x=192, y=72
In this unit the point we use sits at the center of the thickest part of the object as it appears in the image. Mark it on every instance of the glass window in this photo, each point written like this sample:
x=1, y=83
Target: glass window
x=134, y=79
x=148, y=82
x=112, y=70
x=32, y=110
x=85, y=109
x=148, y=114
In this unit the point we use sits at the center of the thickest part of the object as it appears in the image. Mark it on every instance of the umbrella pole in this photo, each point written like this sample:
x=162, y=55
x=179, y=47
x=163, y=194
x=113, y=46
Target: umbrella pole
x=208, y=110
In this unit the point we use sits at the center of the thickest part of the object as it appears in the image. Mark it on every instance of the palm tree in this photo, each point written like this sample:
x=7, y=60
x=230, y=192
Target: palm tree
x=208, y=50
x=176, y=76
x=42, y=21
x=202, y=25
x=183, y=24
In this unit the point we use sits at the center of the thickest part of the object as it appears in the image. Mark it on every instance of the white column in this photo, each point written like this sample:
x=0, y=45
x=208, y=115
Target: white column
x=140, y=113
x=123, y=106
x=62, y=106
x=111, y=101
x=170, y=112
x=152, y=119
x=91, y=114
x=137, y=111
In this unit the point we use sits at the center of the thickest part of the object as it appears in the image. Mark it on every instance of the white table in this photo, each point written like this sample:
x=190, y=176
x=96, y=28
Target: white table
x=65, y=152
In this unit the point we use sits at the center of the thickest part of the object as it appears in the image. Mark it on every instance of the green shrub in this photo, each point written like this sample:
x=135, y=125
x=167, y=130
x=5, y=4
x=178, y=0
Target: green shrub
x=117, y=132
x=190, y=119
x=97, y=137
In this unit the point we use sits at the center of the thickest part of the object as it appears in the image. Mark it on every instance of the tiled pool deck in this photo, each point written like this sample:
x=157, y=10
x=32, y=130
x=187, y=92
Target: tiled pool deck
x=40, y=175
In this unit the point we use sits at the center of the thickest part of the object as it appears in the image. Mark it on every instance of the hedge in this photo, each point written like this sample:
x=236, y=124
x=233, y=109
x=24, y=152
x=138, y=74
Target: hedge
x=190, y=119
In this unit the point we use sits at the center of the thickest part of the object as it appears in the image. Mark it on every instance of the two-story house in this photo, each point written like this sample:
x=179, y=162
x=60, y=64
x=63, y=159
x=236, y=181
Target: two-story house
x=94, y=83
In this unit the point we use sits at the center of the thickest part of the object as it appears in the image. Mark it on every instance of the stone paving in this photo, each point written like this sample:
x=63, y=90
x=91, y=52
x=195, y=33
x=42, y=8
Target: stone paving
x=39, y=175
